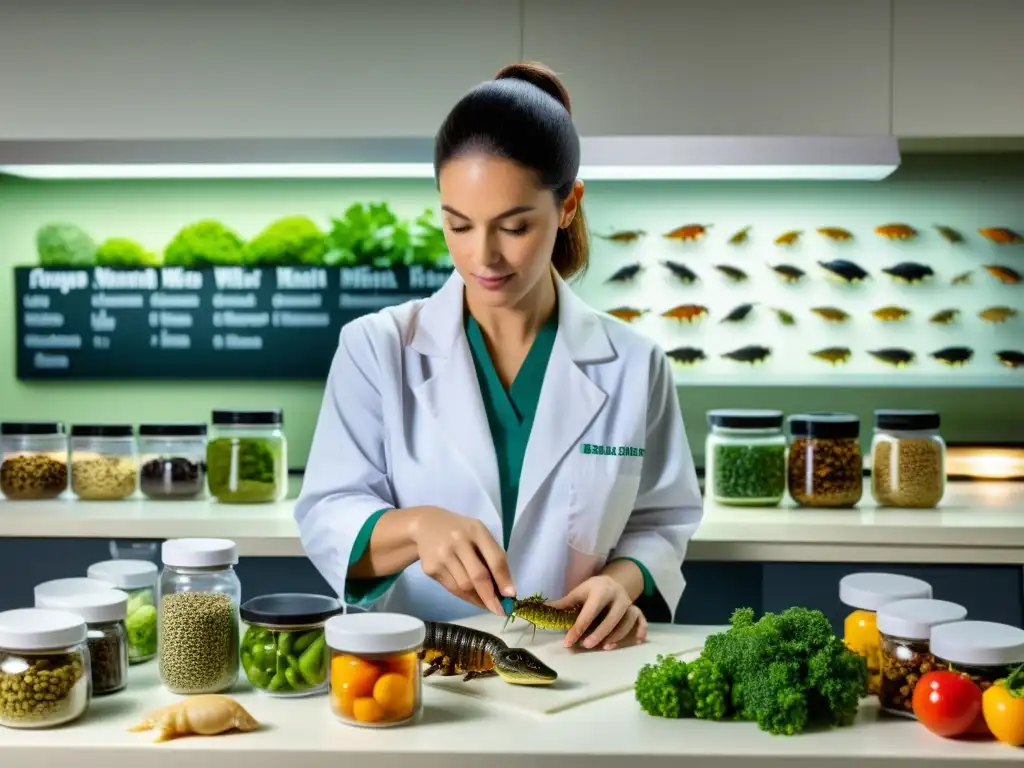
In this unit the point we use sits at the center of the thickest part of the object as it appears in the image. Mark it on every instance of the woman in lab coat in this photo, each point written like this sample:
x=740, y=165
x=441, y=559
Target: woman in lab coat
x=501, y=437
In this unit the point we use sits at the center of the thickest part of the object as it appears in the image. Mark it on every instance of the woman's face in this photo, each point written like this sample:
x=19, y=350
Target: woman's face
x=500, y=226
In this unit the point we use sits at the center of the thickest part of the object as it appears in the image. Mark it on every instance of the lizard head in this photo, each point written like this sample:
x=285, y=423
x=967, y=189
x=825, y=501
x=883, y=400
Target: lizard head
x=520, y=667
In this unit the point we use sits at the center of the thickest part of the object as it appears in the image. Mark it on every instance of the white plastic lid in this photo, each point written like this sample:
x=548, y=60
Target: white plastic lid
x=199, y=553
x=374, y=632
x=75, y=586
x=125, y=574
x=38, y=629
x=914, y=619
x=870, y=591
x=93, y=607
x=984, y=643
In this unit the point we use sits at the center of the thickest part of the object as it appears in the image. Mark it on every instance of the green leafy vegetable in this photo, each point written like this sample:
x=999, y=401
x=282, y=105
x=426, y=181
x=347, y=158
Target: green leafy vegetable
x=204, y=243
x=125, y=253
x=64, y=245
x=291, y=241
x=710, y=688
x=429, y=247
x=368, y=234
x=749, y=473
x=661, y=688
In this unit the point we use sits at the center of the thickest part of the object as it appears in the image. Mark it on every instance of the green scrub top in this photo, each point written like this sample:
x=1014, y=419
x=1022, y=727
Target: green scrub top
x=510, y=414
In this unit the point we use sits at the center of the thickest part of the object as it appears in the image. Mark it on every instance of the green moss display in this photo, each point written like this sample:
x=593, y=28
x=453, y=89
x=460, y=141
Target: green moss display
x=244, y=470
x=121, y=252
x=291, y=241
x=65, y=245
x=749, y=474
x=204, y=243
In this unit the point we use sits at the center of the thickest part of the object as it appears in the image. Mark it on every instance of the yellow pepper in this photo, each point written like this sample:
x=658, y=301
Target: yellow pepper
x=860, y=633
x=1003, y=708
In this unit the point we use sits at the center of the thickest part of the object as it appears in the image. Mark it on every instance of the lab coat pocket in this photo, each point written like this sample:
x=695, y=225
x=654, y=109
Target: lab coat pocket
x=602, y=494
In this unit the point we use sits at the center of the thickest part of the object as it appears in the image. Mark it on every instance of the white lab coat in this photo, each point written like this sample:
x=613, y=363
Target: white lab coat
x=403, y=424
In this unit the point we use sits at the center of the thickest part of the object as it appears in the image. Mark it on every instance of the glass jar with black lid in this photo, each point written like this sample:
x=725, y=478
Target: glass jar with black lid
x=247, y=456
x=745, y=457
x=173, y=460
x=826, y=467
x=104, y=461
x=33, y=460
x=908, y=459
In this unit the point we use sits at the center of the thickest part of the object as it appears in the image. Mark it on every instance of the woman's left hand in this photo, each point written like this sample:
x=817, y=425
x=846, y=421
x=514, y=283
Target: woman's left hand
x=621, y=618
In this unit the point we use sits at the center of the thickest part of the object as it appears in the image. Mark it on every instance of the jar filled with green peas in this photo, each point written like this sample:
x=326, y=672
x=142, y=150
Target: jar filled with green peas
x=284, y=649
x=745, y=457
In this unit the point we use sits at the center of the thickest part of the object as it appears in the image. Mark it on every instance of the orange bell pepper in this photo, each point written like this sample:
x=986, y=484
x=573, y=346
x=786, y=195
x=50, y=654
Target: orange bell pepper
x=1003, y=708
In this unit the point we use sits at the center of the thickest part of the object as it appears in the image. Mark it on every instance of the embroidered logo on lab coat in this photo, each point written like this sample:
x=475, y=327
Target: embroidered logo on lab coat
x=610, y=450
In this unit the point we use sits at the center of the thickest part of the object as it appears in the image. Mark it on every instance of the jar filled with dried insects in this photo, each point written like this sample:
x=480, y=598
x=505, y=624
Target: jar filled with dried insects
x=33, y=460
x=138, y=578
x=908, y=459
x=985, y=651
x=905, y=628
x=745, y=457
x=104, y=461
x=173, y=460
x=825, y=461
x=247, y=457
x=44, y=668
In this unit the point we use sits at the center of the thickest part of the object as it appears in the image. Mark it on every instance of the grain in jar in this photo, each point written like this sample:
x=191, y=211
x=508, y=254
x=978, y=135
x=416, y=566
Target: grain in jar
x=376, y=676
x=33, y=460
x=104, y=461
x=908, y=459
x=866, y=593
x=825, y=465
x=745, y=453
x=985, y=651
x=905, y=627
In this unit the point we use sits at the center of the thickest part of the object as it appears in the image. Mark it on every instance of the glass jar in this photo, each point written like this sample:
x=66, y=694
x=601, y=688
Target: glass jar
x=908, y=459
x=825, y=463
x=866, y=593
x=284, y=649
x=104, y=462
x=376, y=675
x=905, y=627
x=986, y=651
x=745, y=457
x=138, y=578
x=73, y=586
x=247, y=459
x=33, y=460
x=43, y=651
x=197, y=616
x=103, y=613
x=173, y=460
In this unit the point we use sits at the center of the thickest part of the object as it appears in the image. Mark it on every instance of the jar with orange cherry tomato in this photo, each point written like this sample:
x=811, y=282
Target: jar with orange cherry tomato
x=376, y=677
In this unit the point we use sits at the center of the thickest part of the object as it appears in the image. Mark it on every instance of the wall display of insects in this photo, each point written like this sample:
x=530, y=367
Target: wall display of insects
x=845, y=294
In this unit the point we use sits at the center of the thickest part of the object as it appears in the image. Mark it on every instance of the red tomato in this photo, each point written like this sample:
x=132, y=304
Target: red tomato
x=947, y=703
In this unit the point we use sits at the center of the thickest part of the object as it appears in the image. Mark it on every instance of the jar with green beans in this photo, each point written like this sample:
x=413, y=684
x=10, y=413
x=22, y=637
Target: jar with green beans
x=745, y=457
x=247, y=459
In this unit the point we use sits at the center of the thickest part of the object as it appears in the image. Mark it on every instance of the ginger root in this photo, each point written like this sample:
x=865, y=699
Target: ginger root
x=206, y=715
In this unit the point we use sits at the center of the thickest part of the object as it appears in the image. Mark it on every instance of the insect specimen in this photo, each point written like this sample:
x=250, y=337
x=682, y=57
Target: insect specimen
x=686, y=312
x=1010, y=358
x=624, y=236
x=1005, y=275
x=789, y=238
x=686, y=355
x=833, y=355
x=998, y=314
x=752, y=353
x=1001, y=235
x=788, y=272
x=629, y=314
x=738, y=313
x=896, y=231
x=846, y=271
x=734, y=274
x=625, y=274
x=832, y=314
x=891, y=313
x=684, y=273
x=688, y=232
x=964, y=278
x=894, y=356
x=944, y=316
x=835, y=233
x=785, y=317
x=740, y=237
x=909, y=272
x=954, y=356
x=949, y=234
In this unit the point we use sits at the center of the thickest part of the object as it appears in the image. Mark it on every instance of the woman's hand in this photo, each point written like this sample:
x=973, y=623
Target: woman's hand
x=602, y=594
x=461, y=555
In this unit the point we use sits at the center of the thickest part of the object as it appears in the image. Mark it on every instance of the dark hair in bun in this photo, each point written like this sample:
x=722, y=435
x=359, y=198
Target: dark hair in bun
x=523, y=114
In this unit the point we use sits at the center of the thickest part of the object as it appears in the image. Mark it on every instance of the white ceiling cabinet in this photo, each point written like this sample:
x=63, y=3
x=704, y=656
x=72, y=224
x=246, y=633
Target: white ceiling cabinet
x=959, y=68
x=156, y=69
x=728, y=67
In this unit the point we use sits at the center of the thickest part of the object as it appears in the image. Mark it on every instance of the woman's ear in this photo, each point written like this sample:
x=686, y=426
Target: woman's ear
x=571, y=204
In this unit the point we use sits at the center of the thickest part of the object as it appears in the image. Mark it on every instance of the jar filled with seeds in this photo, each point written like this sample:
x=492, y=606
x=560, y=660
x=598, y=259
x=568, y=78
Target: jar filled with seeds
x=139, y=579
x=825, y=462
x=905, y=628
x=985, y=651
x=173, y=460
x=908, y=459
x=45, y=675
x=103, y=613
x=247, y=457
x=33, y=460
x=866, y=593
x=104, y=461
x=745, y=455
x=197, y=616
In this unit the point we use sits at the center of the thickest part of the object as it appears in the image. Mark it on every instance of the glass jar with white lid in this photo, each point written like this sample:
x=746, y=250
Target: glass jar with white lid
x=72, y=586
x=247, y=457
x=104, y=461
x=33, y=460
x=139, y=579
x=745, y=457
x=172, y=460
x=985, y=651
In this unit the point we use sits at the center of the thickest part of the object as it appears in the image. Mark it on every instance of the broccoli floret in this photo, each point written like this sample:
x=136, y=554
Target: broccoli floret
x=661, y=688
x=293, y=240
x=64, y=245
x=204, y=243
x=710, y=688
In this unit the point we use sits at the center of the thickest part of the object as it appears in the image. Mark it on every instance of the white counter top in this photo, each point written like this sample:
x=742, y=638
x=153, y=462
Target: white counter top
x=977, y=523
x=461, y=731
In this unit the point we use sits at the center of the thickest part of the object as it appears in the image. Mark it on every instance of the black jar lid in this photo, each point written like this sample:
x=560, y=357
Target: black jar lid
x=745, y=418
x=102, y=430
x=289, y=609
x=187, y=429
x=31, y=428
x=906, y=420
x=824, y=424
x=272, y=417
